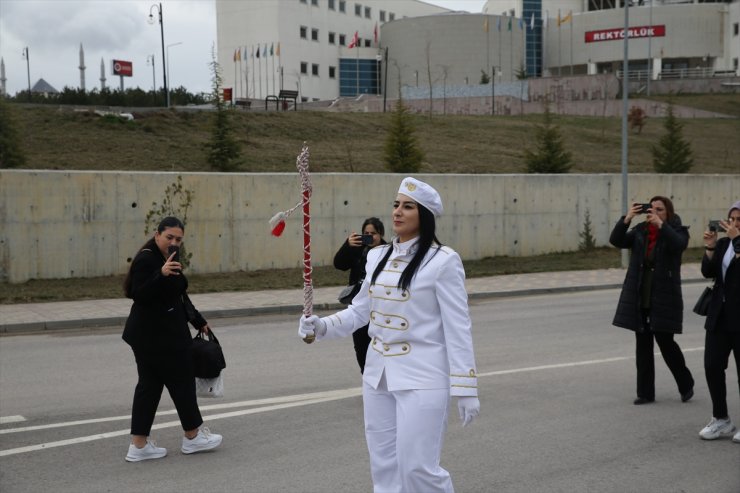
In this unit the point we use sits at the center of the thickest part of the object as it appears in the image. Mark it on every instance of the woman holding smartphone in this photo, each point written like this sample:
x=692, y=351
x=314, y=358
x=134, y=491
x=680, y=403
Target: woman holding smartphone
x=157, y=331
x=421, y=348
x=352, y=256
x=651, y=303
x=721, y=262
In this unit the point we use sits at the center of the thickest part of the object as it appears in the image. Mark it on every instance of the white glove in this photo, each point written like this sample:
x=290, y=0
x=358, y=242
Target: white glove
x=468, y=407
x=309, y=326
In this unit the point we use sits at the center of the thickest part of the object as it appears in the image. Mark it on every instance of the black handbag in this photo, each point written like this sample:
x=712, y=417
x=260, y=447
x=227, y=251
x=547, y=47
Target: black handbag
x=208, y=358
x=702, y=304
x=348, y=293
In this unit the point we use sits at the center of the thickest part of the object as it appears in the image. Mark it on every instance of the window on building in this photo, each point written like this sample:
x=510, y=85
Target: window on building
x=315, y=69
x=342, y=6
x=304, y=30
x=332, y=4
x=314, y=34
x=304, y=68
x=367, y=43
x=315, y=3
x=333, y=72
x=382, y=16
x=368, y=12
x=332, y=38
x=391, y=16
x=735, y=29
x=358, y=10
x=734, y=64
x=342, y=40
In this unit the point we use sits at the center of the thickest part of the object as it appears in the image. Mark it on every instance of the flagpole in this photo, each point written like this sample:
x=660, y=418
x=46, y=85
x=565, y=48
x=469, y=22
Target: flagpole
x=267, y=70
x=246, y=73
x=241, y=82
x=357, y=68
x=259, y=67
x=560, y=58
x=570, y=21
x=499, y=41
x=488, y=45
x=254, y=86
x=545, y=30
x=272, y=55
x=236, y=79
x=511, y=48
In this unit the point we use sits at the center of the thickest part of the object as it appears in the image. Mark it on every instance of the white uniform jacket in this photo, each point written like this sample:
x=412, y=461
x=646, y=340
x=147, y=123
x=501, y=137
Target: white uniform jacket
x=421, y=337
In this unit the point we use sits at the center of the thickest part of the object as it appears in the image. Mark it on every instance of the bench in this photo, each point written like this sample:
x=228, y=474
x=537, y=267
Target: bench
x=272, y=98
x=286, y=95
x=246, y=103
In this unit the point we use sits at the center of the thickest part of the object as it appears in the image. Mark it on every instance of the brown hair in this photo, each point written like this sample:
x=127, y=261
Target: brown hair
x=670, y=212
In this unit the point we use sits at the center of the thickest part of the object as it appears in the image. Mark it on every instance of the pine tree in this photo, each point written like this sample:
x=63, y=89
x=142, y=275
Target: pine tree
x=673, y=153
x=549, y=155
x=223, y=149
x=402, y=153
x=11, y=155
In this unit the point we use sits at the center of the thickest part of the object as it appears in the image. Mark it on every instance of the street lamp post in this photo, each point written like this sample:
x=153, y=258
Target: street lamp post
x=150, y=60
x=161, y=31
x=28, y=69
x=168, y=69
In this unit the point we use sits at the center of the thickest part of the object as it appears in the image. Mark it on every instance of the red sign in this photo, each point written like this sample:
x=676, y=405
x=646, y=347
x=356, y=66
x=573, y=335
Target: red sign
x=227, y=94
x=123, y=68
x=618, y=33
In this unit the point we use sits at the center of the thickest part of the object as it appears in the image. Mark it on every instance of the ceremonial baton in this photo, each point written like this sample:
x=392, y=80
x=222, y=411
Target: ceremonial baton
x=277, y=224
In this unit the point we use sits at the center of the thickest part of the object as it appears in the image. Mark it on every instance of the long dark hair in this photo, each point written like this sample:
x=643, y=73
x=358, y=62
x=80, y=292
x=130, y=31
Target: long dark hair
x=427, y=236
x=167, y=222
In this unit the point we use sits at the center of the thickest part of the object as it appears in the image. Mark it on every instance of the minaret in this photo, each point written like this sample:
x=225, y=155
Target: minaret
x=102, y=75
x=2, y=77
x=82, y=68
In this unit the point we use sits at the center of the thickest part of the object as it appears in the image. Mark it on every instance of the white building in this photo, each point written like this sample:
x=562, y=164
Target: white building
x=303, y=45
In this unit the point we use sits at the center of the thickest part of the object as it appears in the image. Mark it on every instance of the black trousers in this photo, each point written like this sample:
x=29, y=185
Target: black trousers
x=645, y=361
x=156, y=371
x=717, y=347
x=362, y=342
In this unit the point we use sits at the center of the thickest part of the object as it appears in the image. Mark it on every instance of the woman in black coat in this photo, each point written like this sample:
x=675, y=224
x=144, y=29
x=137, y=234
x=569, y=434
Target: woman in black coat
x=352, y=256
x=157, y=331
x=721, y=261
x=651, y=303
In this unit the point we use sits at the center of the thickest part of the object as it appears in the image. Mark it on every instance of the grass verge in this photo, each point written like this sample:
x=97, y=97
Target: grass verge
x=110, y=287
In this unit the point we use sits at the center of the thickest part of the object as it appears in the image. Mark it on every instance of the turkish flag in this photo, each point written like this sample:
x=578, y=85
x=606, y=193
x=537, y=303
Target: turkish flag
x=354, y=41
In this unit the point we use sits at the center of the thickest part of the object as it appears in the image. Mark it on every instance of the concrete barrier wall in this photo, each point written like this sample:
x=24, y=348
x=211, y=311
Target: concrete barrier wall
x=60, y=224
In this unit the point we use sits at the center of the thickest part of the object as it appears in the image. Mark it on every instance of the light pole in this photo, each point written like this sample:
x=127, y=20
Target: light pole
x=150, y=60
x=28, y=69
x=168, y=68
x=161, y=31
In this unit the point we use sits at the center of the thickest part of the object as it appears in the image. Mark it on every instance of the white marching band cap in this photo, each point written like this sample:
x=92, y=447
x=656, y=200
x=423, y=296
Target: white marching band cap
x=423, y=194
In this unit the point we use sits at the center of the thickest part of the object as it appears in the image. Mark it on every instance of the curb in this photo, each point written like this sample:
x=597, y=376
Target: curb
x=218, y=314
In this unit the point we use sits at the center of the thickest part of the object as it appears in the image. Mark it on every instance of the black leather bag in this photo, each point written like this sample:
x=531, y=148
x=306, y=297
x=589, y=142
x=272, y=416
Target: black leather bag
x=702, y=304
x=348, y=293
x=208, y=357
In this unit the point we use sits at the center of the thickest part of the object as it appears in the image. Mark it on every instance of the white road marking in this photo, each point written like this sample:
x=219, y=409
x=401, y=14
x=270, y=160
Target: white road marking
x=11, y=419
x=256, y=402
x=271, y=404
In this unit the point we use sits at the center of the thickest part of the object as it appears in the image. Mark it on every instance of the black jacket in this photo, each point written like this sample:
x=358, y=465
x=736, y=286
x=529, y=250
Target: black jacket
x=159, y=317
x=727, y=289
x=352, y=259
x=666, y=300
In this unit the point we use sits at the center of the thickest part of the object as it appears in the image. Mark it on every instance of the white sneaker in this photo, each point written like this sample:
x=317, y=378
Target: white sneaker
x=717, y=428
x=736, y=438
x=204, y=440
x=149, y=451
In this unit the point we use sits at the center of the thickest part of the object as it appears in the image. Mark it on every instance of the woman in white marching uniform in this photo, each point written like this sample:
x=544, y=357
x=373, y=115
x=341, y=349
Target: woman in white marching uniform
x=421, y=348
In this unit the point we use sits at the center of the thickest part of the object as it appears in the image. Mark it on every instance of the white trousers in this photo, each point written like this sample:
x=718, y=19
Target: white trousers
x=405, y=431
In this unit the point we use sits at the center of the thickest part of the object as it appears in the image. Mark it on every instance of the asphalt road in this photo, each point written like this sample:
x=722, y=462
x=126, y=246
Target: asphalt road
x=556, y=385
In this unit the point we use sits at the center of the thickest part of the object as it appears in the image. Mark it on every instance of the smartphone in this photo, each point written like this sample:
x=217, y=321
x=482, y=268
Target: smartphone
x=644, y=208
x=714, y=226
x=174, y=249
x=367, y=239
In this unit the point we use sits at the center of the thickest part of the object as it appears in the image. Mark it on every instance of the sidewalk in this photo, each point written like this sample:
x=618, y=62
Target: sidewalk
x=113, y=312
